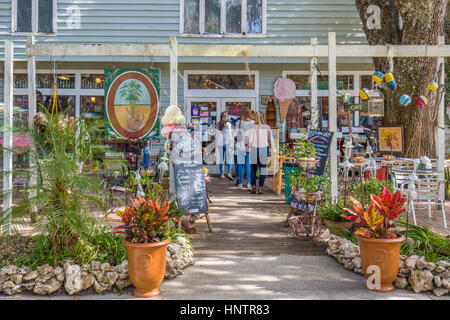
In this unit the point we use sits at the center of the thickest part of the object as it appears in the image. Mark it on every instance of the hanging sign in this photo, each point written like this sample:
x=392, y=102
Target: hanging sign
x=321, y=140
x=132, y=103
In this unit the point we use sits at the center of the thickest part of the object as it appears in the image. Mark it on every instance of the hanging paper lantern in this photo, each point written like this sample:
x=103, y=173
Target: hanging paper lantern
x=346, y=98
x=433, y=86
x=390, y=81
x=364, y=94
x=421, y=101
x=405, y=100
x=378, y=76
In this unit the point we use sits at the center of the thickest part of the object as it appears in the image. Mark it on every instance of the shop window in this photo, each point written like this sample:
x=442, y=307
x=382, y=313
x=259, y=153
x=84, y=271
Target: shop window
x=205, y=114
x=367, y=82
x=234, y=109
x=221, y=81
x=64, y=104
x=343, y=82
x=65, y=81
x=240, y=17
x=34, y=16
x=93, y=106
x=20, y=80
x=44, y=81
x=92, y=81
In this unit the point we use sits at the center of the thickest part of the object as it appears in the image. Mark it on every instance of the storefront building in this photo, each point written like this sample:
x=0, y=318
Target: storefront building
x=206, y=86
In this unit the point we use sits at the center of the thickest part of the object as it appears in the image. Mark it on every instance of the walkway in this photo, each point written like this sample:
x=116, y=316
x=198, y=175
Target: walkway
x=250, y=255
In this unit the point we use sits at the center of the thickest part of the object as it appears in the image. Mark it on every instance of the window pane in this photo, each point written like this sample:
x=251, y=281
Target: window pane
x=44, y=81
x=366, y=82
x=93, y=106
x=221, y=81
x=24, y=16
x=212, y=16
x=92, y=81
x=344, y=82
x=65, y=104
x=254, y=16
x=45, y=19
x=191, y=22
x=234, y=16
x=20, y=80
x=66, y=81
x=301, y=81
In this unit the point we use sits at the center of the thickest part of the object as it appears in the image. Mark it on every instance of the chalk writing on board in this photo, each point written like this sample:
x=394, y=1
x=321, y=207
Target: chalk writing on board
x=191, y=188
x=321, y=140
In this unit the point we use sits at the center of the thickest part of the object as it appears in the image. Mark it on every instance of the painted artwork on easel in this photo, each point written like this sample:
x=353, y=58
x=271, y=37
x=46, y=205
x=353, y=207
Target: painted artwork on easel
x=132, y=103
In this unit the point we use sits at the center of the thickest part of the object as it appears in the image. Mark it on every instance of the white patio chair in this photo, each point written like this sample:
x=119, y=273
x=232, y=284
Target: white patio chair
x=401, y=179
x=427, y=189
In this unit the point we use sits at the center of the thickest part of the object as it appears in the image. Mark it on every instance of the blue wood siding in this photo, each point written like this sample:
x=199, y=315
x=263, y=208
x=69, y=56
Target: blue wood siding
x=153, y=21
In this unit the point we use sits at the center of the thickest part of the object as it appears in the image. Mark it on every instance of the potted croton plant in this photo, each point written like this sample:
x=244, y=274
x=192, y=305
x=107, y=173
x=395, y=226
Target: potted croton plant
x=147, y=225
x=379, y=246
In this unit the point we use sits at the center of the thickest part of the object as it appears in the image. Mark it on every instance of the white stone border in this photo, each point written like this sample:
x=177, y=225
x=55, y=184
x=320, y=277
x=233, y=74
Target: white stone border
x=73, y=278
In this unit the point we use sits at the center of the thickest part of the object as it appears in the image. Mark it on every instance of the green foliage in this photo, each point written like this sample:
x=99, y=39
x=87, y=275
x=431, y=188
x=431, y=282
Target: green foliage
x=314, y=183
x=57, y=206
x=333, y=212
x=304, y=148
x=347, y=234
x=423, y=241
x=371, y=185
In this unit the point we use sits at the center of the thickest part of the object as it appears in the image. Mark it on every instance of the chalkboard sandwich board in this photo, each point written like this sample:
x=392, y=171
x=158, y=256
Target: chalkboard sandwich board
x=321, y=140
x=191, y=188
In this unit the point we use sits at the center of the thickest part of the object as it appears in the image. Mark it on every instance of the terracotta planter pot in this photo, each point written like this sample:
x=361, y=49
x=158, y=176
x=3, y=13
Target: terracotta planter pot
x=333, y=226
x=146, y=266
x=384, y=253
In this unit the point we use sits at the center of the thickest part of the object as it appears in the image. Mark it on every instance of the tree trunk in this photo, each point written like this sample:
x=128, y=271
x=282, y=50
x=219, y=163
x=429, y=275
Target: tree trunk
x=423, y=22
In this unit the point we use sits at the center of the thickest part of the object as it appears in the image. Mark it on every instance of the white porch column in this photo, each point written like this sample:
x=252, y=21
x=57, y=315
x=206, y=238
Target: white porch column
x=173, y=100
x=173, y=70
x=32, y=106
x=8, y=137
x=332, y=113
x=31, y=82
x=313, y=83
x=440, y=129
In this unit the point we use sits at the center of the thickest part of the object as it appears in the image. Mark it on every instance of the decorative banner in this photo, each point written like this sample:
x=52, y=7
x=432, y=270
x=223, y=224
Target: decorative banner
x=132, y=103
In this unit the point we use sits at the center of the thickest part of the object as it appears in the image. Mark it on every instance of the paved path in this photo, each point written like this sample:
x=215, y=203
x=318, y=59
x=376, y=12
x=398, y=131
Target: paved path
x=250, y=255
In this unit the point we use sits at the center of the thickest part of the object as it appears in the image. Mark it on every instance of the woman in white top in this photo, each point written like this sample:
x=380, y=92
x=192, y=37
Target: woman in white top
x=259, y=140
x=225, y=145
x=243, y=154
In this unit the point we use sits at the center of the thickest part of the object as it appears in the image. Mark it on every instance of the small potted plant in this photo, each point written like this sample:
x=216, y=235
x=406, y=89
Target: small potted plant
x=147, y=224
x=332, y=217
x=305, y=153
x=379, y=246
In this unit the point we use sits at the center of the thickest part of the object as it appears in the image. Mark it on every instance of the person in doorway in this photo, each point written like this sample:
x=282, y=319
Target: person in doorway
x=259, y=140
x=225, y=145
x=243, y=156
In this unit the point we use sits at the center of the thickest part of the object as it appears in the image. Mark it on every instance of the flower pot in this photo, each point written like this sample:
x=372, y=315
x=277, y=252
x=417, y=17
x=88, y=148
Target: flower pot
x=307, y=163
x=333, y=226
x=146, y=266
x=384, y=253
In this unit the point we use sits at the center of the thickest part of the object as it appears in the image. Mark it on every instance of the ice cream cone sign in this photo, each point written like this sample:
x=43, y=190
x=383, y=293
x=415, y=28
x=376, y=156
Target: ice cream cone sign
x=284, y=90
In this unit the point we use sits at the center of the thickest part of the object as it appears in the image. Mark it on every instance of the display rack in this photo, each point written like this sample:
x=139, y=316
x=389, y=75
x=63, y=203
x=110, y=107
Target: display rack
x=304, y=220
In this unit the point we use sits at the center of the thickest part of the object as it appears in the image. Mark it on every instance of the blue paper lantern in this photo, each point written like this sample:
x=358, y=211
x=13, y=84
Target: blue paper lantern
x=405, y=100
x=346, y=98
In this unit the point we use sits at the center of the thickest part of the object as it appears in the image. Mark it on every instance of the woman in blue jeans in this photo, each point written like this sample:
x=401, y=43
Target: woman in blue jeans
x=225, y=145
x=259, y=140
x=243, y=155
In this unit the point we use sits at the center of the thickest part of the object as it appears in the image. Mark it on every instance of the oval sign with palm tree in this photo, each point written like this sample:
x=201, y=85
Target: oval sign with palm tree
x=132, y=105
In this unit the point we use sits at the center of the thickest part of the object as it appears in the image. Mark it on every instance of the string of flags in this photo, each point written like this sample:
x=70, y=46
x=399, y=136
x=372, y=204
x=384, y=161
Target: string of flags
x=388, y=78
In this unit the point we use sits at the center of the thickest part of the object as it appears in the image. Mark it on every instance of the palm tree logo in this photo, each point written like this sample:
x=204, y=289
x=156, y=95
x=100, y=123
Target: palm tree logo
x=132, y=92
